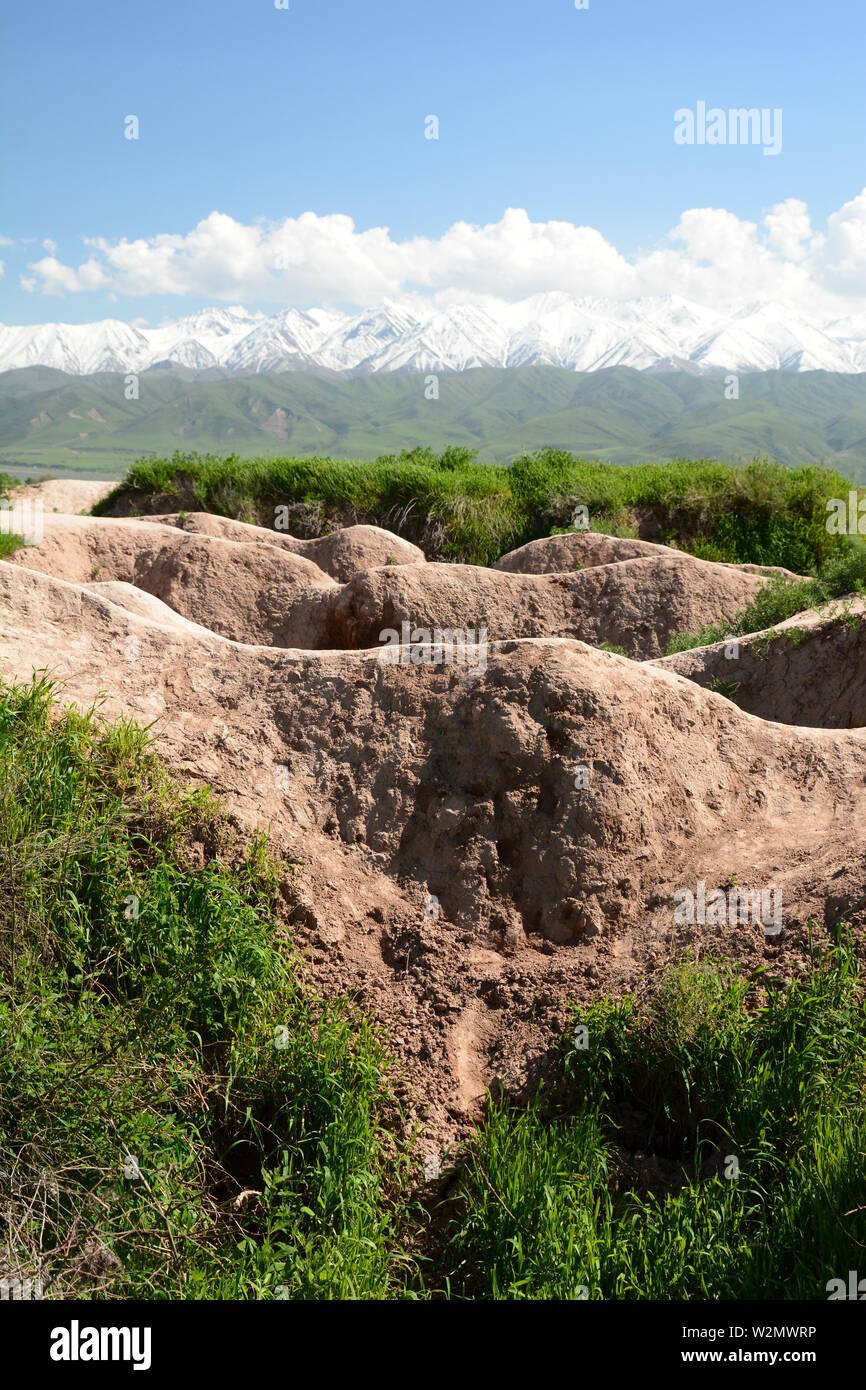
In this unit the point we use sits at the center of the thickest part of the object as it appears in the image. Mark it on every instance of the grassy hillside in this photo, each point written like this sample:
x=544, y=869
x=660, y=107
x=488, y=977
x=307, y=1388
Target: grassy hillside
x=181, y=1117
x=458, y=509
x=49, y=419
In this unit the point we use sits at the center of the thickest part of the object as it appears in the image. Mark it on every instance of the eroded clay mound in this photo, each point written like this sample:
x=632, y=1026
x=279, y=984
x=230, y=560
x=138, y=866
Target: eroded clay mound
x=341, y=554
x=809, y=670
x=249, y=592
x=67, y=495
x=636, y=604
x=267, y=594
x=137, y=601
x=574, y=551
x=85, y=549
x=585, y=549
x=476, y=847
x=354, y=549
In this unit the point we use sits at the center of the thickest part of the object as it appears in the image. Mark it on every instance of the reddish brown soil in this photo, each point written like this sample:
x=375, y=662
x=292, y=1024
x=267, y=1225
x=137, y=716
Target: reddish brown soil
x=457, y=874
x=808, y=670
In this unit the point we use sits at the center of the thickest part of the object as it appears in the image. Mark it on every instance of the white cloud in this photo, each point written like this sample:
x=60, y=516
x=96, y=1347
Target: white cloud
x=789, y=230
x=55, y=278
x=843, y=255
x=710, y=256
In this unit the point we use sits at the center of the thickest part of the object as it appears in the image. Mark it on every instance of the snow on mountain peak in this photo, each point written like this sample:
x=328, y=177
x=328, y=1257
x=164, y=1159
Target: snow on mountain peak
x=555, y=328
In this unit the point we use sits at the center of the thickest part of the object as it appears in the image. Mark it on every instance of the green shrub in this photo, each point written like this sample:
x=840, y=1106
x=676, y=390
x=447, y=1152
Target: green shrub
x=841, y=575
x=462, y=510
x=9, y=543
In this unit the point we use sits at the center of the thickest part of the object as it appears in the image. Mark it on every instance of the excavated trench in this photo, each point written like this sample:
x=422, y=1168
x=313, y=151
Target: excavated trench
x=363, y=587
x=262, y=591
x=455, y=874
x=810, y=671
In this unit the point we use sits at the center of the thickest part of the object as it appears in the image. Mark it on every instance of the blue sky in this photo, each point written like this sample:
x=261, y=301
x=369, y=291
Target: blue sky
x=259, y=113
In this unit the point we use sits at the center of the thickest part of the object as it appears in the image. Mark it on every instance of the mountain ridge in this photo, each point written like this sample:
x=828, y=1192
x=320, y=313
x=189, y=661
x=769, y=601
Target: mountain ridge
x=552, y=329
x=63, y=422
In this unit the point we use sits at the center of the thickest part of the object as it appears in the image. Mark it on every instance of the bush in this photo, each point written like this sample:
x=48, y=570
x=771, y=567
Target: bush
x=843, y=574
x=461, y=510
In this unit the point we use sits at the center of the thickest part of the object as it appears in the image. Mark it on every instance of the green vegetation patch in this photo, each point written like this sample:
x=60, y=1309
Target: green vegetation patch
x=458, y=509
x=9, y=543
x=181, y=1116
x=702, y=1146
x=841, y=575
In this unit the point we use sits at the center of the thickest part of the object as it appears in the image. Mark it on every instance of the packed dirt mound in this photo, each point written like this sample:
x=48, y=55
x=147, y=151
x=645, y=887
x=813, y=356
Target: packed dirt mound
x=267, y=594
x=136, y=600
x=636, y=604
x=574, y=551
x=476, y=846
x=585, y=549
x=66, y=495
x=810, y=669
x=249, y=592
x=341, y=554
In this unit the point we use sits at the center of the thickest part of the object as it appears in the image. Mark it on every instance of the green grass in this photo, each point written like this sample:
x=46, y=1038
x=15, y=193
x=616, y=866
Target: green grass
x=842, y=574
x=458, y=509
x=9, y=543
x=557, y=1201
x=181, y=1116
x=151, y=1023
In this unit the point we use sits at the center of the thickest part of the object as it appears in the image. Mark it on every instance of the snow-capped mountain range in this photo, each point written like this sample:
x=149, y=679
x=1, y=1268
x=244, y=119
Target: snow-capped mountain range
x=582, y=335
